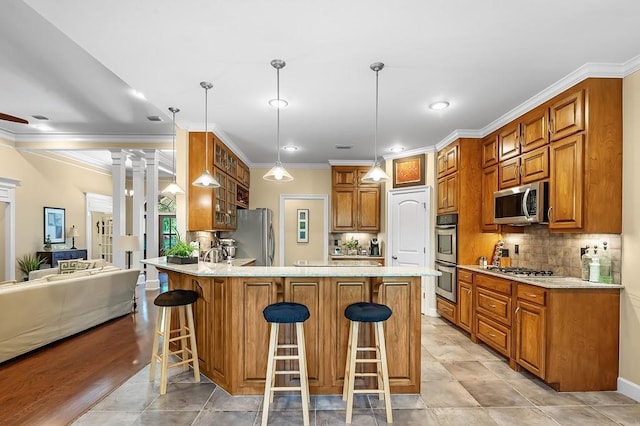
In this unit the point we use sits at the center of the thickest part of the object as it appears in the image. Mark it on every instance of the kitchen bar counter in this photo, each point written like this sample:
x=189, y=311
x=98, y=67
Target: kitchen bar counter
x=233, y=337
x=336, y=263
x=545, y=282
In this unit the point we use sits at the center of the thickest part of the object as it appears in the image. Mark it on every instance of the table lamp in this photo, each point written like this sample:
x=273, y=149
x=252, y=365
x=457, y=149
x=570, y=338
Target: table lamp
x=73, y=233
x=129, y=243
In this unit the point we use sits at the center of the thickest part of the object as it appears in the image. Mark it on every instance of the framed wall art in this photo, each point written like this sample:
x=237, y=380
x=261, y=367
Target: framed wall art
x=408, y=171
x=303, y=226
x=54, y=225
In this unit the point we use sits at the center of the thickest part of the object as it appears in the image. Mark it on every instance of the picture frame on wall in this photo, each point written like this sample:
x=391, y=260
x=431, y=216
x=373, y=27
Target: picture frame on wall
x=408, y=171
x=302, y=235
x=54, y=225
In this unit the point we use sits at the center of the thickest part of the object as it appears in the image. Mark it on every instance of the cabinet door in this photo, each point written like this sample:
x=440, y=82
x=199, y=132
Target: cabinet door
x=448, y=194
x=402, y=329
x=566, y=183
x=534, y=165
x=201, y=312
x=489, y=186
x=489, y=150
x=509, y=142
x=220, y=196
x=220, y=324
x=509, y=173
x=448, y=160
x=535, y=132
x=465, y=305
x=310, y=292
x=345, y=291
x=566, y=116
x=344, y=176
x=530, y=337
x=446, y=309
x=200, y=215
x=344, y=209
x=368, y=209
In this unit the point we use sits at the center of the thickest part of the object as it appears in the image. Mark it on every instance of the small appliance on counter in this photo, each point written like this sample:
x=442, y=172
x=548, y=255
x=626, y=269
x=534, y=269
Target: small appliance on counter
x=228, y=248
x=374, y=247
x=337, y=251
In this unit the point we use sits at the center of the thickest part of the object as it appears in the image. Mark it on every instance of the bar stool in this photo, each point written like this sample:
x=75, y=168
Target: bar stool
x=182, y=299
x=286, y=313
x=376, y=314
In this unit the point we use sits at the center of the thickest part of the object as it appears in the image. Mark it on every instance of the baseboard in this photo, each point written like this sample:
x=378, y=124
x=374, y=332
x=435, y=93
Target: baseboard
x=152, y=285
x=432, y=312
x=628, y=388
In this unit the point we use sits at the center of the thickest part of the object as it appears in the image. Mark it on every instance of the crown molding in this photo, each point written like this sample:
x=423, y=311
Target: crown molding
x=457, y=134
x=402, y=154
x=632, y=66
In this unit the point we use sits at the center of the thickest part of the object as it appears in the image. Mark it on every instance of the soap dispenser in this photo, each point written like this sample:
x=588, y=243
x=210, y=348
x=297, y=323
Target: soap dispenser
x=605, y=266
x=586, y=261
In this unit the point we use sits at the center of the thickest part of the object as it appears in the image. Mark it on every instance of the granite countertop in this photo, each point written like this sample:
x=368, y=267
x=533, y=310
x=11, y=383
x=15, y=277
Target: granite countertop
x=203, y=269
x=546, y=282
x=355, y=256
x=337, y=263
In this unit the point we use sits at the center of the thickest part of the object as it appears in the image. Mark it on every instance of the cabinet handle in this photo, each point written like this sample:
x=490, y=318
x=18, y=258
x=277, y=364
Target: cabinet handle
x=469, y=290
x=552, y=129
x=492, y=305
x=492, y=335
x=517, y=309
x=531, y=295
x=549, y=214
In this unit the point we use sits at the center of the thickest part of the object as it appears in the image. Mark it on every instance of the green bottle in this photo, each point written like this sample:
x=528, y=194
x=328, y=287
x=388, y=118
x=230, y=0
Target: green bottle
x=605, y=266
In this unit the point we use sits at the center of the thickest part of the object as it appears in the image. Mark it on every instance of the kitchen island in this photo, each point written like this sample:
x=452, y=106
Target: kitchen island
x=233, y=337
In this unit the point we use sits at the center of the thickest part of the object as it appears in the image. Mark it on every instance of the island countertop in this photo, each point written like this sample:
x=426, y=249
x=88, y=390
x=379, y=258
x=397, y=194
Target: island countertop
x=206, y=269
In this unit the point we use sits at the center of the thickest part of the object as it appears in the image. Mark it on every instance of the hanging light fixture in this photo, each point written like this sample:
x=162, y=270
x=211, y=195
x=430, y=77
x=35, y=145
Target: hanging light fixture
x=173, y=188
x=376, y=173
x=206, y=180
x=277, y=172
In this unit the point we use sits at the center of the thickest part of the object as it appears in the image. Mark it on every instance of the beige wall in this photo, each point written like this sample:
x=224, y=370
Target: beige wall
x=267, y=194
x=630, y=301
x=314, y=249
x=47, y=182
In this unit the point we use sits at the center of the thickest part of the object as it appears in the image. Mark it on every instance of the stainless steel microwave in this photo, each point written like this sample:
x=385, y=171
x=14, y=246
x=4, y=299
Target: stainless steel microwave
x=522, y=205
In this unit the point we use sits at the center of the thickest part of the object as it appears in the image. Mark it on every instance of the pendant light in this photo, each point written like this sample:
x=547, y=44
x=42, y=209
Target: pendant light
x=173, y=188
x=376, y=173
x=206, y=180
x=277, y=172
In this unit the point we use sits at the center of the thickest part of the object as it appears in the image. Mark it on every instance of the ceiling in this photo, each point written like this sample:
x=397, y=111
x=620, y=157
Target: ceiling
x=78, y=63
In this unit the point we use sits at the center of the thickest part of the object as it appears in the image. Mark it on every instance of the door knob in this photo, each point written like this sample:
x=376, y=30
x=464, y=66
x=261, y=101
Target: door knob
x=394, y=257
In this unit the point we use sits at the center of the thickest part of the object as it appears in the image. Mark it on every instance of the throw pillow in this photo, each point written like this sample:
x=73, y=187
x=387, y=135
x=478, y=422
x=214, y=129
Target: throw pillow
x=67, y=266
x=85, y=264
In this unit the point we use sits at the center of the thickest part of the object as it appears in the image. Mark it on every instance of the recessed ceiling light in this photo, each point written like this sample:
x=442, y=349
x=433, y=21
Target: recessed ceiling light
x=40, y=117
x=397, y=148
x=282, y=104
x=42, y=127
x=137, y=94
x=290, y=148
x=439, y=105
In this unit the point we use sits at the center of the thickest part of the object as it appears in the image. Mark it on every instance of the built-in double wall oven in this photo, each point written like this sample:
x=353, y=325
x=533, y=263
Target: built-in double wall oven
x=446, y=255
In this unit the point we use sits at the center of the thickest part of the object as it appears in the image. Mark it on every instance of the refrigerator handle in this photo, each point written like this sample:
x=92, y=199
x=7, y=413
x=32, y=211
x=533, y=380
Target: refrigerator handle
x=272, y=245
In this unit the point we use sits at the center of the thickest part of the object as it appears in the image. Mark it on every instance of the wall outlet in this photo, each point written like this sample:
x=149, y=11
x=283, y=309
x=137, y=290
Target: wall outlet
x=516, y=249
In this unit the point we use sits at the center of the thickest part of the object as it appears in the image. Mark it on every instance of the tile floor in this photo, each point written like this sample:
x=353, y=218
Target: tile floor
x=462, y=384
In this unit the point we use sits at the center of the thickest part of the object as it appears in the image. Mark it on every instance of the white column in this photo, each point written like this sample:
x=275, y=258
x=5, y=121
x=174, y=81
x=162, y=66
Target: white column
x=137, y=227
x=8, y=195
x=119, y=175
x=151, y=156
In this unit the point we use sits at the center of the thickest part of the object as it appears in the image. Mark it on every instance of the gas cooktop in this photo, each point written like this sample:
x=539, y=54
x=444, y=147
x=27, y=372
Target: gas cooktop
x=522, y=272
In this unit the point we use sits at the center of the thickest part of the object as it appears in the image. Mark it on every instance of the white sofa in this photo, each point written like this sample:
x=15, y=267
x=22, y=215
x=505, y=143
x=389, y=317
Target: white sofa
x=37, y=312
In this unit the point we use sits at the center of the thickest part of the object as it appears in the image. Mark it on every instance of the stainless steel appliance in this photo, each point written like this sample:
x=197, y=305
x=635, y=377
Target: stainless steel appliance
x=374, y=247
x=229, y=248
x=254, y=236
x=446, y=256
x=522, y=205
x=523, y=272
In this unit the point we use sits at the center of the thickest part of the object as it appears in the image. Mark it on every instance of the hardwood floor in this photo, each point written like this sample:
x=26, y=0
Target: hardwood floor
x=54, y=385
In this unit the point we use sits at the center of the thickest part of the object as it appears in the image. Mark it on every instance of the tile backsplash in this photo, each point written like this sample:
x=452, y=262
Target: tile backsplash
x=541, y=249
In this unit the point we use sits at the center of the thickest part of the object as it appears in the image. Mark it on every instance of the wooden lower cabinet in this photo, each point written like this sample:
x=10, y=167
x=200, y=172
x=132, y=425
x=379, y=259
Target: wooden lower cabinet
x=530, y=336
x=446, y=309
x=465, y=301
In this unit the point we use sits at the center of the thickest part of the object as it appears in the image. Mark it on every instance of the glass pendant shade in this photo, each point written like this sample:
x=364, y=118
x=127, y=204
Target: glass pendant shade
x=278, y=173
x=206, y=180
x=173, y=188
x=376, y=174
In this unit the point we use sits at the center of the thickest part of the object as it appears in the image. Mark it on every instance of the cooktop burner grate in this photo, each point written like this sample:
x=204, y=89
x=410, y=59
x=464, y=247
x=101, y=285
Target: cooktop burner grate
x=523, y=271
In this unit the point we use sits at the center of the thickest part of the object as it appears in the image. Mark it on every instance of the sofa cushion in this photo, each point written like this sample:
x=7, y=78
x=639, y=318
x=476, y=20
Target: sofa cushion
x=60, y=277
x=67, y=266
x=7, y=283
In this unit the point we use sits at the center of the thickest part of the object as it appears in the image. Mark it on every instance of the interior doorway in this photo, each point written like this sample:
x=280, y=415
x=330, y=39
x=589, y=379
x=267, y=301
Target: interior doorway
x=291, y=247
x=98, y=208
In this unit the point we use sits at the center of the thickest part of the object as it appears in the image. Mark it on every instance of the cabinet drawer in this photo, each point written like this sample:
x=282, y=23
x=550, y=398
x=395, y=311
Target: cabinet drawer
x=537, y=295
x=446, y=309
x=495, y=335
x=494, y=305
x=465, y=276
x=495, y=284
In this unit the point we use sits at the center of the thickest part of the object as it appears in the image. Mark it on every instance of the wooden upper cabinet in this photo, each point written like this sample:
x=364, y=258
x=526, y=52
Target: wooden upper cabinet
x=534, y=129
x=509, y=141
x=534, y=165
x=509, y=173
x=448, y=158
x=566, y=115
x=566, y=183
x=355, y=206
x=490, y=150
x=489, y=186
x=200, y=215
x=448, y=194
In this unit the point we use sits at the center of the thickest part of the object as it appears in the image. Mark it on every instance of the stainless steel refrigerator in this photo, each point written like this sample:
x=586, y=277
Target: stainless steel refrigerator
x=254, y=236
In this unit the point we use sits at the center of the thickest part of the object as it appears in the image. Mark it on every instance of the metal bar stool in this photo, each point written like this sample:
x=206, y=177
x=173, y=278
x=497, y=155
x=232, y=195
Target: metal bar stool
x=181, y=299
x=376, y=314
x=286, y=313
